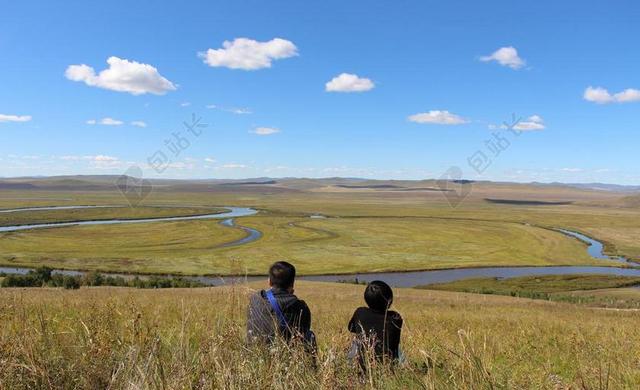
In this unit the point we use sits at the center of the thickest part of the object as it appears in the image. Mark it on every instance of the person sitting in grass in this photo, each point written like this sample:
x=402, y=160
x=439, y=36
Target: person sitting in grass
x=278, y=312
x=377, y=328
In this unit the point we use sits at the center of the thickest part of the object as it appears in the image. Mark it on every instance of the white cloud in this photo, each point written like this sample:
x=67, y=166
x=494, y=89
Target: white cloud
x=139, y=123
x=181, y=165
x=234, y=166
x=240, y=111
x=185, y=104
x=532, y=123
x=628, y=95
x=102, y=157
x=123, y=76
x=106, y=162
x=438, y=117
x=347, y=82
x=72, y=158
x=110, y=122
x=506, y=56
x=233, y=110
x=265, y=130
x=85, y=157
x=597, y=95
x=14, y=118
x=105, y=121
x=99, y=161
x=602, y=96
x=247, y=54
x=210, y=159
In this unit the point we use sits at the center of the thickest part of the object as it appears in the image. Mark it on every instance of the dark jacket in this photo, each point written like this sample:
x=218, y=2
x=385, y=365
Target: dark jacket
x=380, y=329
x=262, y=322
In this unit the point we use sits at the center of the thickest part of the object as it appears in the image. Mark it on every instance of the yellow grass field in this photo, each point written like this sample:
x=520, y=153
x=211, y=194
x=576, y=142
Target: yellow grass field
x=193, y=338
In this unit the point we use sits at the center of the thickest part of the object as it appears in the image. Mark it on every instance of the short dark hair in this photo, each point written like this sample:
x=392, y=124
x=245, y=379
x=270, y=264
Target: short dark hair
x=378, y=295
x=282, y=274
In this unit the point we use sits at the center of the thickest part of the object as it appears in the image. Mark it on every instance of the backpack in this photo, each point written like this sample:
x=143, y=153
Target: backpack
x=309, y=337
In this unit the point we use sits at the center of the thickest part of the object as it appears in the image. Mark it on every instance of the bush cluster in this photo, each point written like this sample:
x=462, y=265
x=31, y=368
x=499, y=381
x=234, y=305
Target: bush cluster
x=45, y=277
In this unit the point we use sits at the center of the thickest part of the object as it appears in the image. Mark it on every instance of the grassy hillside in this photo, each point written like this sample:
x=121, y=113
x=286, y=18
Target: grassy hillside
x=100, y=337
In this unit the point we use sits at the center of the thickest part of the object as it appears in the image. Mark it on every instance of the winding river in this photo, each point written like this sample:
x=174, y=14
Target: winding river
x=397, y=279
x=232, y=213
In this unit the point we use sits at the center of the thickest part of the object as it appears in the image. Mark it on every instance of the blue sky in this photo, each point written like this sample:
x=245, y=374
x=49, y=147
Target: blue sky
x=425, y=86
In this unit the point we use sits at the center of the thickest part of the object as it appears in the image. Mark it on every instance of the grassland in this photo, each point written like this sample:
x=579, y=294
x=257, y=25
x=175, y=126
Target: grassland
x=168, y=247
x=369, y=229
x=123, y=338
x=371, y=244
x=334, y=245
x=615, y=298
x=540, y=284
x=607, y=291
x=97, y=214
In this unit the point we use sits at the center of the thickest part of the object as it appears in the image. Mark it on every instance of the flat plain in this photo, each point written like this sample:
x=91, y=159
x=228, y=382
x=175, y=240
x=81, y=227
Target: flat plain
x=367, y=227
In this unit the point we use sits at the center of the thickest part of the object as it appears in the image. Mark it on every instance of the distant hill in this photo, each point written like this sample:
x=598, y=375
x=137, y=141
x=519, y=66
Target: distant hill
x=16, y=186
x=504, y=192
x=606, y=187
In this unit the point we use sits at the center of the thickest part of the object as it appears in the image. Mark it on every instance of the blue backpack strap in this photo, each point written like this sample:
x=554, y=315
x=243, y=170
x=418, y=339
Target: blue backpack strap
x=276, y=308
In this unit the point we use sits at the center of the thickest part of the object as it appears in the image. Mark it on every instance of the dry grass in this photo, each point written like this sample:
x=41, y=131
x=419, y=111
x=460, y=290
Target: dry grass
x=123, y=338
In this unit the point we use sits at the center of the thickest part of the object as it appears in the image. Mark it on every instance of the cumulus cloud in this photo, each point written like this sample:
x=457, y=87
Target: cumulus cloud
x=438, y=117
x=14, y=118
x=247, y=54
x=105, y=121
x=602, y=96
x=123, y=76
x=139, y=123
x=506, y=56
x=532, y=123
x=347, y=82
x=265, y=130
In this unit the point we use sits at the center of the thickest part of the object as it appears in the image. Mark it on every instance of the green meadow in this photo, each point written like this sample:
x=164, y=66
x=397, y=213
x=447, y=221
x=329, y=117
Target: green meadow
x=365, y=230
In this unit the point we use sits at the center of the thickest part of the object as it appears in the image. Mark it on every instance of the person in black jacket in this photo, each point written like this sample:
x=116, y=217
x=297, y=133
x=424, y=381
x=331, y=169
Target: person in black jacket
x=376, y=327
x=264, y=323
